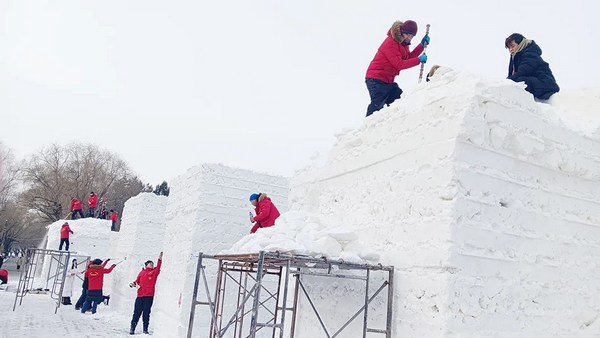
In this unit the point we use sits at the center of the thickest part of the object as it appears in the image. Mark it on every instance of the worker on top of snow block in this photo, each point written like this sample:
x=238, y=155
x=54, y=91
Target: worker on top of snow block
x=76, y=207
x=392, y=56
x=266, y=212
x=526, y=65
x=92, y=204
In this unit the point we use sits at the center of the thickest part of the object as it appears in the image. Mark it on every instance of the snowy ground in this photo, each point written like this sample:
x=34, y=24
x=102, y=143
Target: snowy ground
x=36, y=318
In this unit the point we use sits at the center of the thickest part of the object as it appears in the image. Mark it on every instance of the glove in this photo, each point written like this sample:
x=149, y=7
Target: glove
x=132, y=285
x=425, y=40
x=423, y=58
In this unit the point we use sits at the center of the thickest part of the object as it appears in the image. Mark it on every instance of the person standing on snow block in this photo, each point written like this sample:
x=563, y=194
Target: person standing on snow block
x=114, y=217
x=266, y=212
x=65, y=230
x=526, y=65
x=76, y=207
x=146, y=283
x=95, y=275
x=92, y=204
x=392, y=56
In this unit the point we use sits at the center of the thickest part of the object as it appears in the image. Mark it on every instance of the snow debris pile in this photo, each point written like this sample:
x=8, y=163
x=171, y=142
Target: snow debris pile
x=303, y=233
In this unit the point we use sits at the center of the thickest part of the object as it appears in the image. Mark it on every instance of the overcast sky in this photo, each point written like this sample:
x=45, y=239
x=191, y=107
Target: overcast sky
x=260, y=85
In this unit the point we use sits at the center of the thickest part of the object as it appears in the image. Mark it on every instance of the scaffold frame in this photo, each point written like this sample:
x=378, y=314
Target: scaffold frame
x=58, y=266
x=253, y=268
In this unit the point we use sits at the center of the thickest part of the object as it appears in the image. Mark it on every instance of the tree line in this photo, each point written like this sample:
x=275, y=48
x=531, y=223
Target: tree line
x=37, y=190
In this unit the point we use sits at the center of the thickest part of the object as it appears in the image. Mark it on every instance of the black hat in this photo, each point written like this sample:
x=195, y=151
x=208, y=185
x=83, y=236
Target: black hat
x=97, y=261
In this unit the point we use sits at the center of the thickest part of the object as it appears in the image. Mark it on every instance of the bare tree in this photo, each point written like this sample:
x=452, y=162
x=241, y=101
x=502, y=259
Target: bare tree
x=9, y=174
x=56, y=174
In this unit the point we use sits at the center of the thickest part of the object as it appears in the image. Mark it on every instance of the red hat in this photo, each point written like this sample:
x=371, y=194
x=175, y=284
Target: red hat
x=409, y=27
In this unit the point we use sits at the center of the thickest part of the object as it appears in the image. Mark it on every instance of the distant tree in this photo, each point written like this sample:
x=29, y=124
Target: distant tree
x=9, y=175
x=55, y=174
x=162, y=189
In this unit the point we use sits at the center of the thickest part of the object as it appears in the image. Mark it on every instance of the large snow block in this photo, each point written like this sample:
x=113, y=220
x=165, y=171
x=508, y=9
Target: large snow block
x=484, y=201
x=91, y=237
x=207, y=211
x=140, y=239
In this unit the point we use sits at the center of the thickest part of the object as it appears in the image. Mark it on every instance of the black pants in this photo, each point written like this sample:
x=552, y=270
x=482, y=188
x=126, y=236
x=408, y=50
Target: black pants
x=66, y=241
x=81, y=299
x=91, y=212
x=142, y=308
x=74, y=212
x=381, y=93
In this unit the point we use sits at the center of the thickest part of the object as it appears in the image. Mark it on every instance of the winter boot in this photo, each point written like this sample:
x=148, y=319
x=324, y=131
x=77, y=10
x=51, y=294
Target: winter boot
x=146, y=329
x=132, y=329
x=65, y=301
x=106, y=300
x=68, y=301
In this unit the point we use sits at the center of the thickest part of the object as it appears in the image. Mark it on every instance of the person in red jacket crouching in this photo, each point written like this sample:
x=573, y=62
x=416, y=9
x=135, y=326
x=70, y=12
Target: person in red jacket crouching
x=146, y=284
x=76, y=207
x=266, y=212
x=95, y=276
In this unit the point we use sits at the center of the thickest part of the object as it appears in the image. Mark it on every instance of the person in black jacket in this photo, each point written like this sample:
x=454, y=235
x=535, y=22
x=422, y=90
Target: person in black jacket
x=526, y=65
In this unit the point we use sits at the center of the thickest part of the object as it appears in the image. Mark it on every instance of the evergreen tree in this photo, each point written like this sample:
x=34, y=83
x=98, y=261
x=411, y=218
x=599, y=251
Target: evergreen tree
x=162, y=189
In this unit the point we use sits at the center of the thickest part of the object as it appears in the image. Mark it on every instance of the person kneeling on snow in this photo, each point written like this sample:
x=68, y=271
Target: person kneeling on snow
x=392, y=56
x=95, y=276
x=526, y=65
x=266, y=212
x=146, y=283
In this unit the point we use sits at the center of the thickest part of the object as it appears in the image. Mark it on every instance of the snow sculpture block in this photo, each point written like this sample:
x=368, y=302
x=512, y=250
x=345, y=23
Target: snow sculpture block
x=486, y=204
x=140, y=239
x=207, y=211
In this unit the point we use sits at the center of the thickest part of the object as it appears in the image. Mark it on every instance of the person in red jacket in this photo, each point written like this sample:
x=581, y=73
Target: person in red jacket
x=92, y=204
x=76, y=207
x=392, y=56
x=95, y=276
x=266, y=212
x=65, y=230
x=146, y=284
x=114, y=217
x=3, y=276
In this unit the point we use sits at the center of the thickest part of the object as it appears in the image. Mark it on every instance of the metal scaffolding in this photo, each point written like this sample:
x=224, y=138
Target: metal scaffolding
x=251, y=275
x=57, y=264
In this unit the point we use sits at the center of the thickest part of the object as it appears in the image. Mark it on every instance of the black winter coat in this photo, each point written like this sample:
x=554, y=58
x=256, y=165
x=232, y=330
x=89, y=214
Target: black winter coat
x=529, y=67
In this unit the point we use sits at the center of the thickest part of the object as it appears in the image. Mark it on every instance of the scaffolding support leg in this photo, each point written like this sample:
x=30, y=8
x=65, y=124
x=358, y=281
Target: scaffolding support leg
x=259, y=275
x=195, y=296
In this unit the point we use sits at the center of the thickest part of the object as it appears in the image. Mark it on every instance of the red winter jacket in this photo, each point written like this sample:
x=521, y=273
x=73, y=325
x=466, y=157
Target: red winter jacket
x=266, y=213
x=75, y=204
x=95, y=275
x=64, y=231
x=147, y=280
x=114, y=216
x=392, y=56
x=93, y=201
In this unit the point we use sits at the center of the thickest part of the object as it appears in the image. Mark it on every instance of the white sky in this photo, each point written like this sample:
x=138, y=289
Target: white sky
x=256, y=84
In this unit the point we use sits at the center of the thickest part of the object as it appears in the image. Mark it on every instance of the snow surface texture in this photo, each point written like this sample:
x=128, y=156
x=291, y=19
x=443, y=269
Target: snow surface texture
x=486, y=202
x=140, y=239
x=207, y=211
